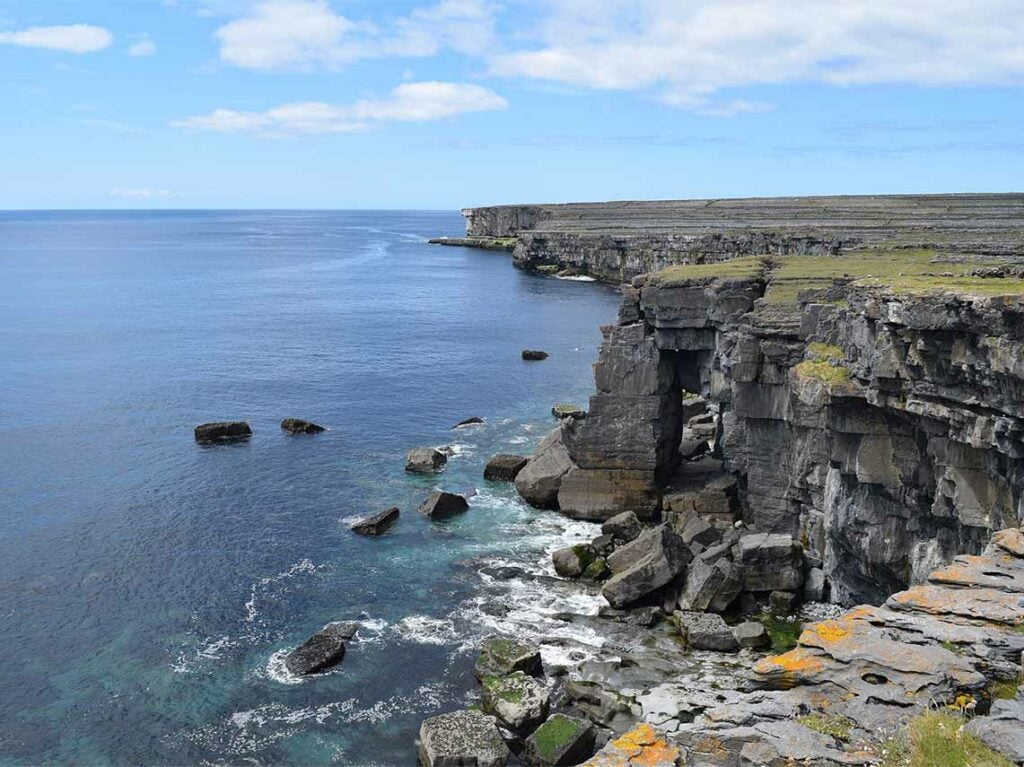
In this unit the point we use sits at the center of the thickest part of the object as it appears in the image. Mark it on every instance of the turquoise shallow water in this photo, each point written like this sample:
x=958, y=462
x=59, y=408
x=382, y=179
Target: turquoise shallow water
x=150, y=586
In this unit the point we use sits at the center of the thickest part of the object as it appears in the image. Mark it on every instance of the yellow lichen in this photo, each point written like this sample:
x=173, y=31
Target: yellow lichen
x=831, y=631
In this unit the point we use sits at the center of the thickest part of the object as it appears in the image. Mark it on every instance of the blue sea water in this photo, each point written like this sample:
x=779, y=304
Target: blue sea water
x=149, y=586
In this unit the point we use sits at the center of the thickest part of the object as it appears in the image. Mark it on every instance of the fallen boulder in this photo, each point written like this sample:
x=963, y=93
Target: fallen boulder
x=651, y=561
x=770, y=562
x=441, y=505
x=471, y=421
x=571, y=561
x=534, y=355
x=539, y=481
x=561, y=741
x=751, y=634
x=378, y=524
x=425, y=460
x=504, y=467
x=500, y=656
x=462, y=738
x=520, y=702
x=705, y=631
x=299, y=426
x=223, y=431
x=624, y=527
x=324, y=649
x=565, y=410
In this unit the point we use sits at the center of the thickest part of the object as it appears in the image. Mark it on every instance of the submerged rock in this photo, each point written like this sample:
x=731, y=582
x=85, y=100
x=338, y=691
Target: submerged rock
x=519, y=701
x=500, y=656
x=425, y=460
x=504, y=467
x=539, y=481
x=561, y=741
x=223, y=431
x=462, y=739
x=378, y=524
x=299, y=426
x=324, y=649
x=534, y=355
x=441, y=505
x=471, y=421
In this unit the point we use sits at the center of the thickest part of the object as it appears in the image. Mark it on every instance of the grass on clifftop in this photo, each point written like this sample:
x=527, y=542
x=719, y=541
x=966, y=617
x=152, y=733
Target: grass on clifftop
x=937, y=739
x=735, y=268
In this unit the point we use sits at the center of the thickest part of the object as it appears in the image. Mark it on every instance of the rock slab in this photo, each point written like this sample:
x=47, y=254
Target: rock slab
x=441, y=505
x=462, y=739
x=504, y=467
x=300, y=426
x=378, y=524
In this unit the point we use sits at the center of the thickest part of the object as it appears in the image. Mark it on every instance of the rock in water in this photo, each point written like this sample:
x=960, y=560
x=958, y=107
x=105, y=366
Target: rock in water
x=299, y=426
x=534, y=355
x=564, y=410
x=642, y=745
x=571, y=561
x=324, y=649
x=562, y=740
x=541, y=478
x=461, y=739
x=500, y=657
x=378, y=524
x=442, y=505
x=425, y=460
x=223, y=431
x=471, y=421
x=651, y=561
x=504, y=467
x=519, y=701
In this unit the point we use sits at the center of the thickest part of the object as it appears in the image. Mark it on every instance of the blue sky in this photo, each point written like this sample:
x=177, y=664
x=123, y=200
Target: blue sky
x=446, y=103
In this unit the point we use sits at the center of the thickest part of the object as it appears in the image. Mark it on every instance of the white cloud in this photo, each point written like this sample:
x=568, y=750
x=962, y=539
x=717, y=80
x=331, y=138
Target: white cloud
x=70, y=38
x=409, y=102
x=142, y=193
x=685, y=52
x=144, y=47
x=298, y=34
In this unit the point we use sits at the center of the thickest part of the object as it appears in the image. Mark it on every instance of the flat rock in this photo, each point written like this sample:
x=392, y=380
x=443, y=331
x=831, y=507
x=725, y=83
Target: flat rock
x=982, y=604
x=770, y=562
x=378, y=524
x=442, y=505
x=504, y=467
x=751, y=634
x=223, y=431
x=462, y=739
x=534, y=355
x=520, y=702
x=565, y=410
x=300, y=426
x=643, y=746
x=324, y=649
x=1011, y=541
x=425, y=460
x=561, y=741
x=500, y=656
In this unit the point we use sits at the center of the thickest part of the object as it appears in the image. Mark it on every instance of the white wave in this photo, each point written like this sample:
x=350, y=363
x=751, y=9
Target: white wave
x=303, y=566
x=576, y=278
x=520, y=440
x=186, y=662
x=423, y=629
x=278, y=671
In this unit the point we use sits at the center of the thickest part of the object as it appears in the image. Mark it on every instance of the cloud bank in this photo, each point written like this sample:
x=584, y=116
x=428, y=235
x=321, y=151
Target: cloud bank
x=69, y=38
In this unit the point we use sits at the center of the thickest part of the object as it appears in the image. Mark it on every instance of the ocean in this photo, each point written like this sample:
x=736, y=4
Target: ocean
x=150, y=586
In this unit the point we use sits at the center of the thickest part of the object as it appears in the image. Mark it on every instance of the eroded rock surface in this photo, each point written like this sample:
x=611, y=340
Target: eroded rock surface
x=462, y=739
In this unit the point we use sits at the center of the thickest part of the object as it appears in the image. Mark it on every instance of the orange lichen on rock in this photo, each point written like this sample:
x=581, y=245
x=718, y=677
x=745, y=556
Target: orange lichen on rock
x=640, y=747
x=833, y=631
x=796, y=661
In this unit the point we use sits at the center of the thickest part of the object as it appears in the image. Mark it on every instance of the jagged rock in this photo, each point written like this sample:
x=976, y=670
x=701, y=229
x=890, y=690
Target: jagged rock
x=299, y=426
x=500, y=656
x=651, y=561
x=473, y=420
x=751, y=634
x=504, y=467
x=571, y=561
x=624, y=527
x=602, y=706
x=442, y=505
x=425, y=460
x=324, y=649
x=519, y=701
x=1010, y=541
x=534, y=355
x=539, y=481
x=710, y=585
x=635, y=616
x=223, y=431
x=462, y=738
x=603, y=544
x=1003, y=729
x=642, y=746
x=701, y=532
x=770, y=562
x=596, y=570
x=564, y=410
x=561, y=741
x=705, y=631
x=378, y=524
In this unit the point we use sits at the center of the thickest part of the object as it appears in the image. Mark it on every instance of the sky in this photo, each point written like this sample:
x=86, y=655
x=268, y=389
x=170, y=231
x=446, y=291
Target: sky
x=441, y=104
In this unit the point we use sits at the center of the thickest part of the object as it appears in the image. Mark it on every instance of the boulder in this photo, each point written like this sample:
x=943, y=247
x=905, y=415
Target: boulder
x=751, y=634
x=783, y=602
x=539, y=481
x=565, y=410
x=710, y=585
x=1003, y=729
x=504, y=467
x=701, y=532
x=442, y=505
x=603, y=544
x=500, y=656
x=425, y=460
x=223, y=431
x=644, y=565
x=596, y=570
x=378, y=524
x=770, y=562
x=471, y=421
x=641, y=746
x=324, y=649
x=520, y=702
x=461, y=739
x=299, y=426
x=534, y=355
x=571, y=561
x=624, y=527
x=561, y=740
x=705, y=631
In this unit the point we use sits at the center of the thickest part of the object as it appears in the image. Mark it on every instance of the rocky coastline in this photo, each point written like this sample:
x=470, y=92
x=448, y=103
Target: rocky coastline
x=805, y=406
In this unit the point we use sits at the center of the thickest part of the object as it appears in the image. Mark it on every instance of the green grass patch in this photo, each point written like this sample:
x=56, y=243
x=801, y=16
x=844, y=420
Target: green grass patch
x=1003, y=689
x=734, y=268
x=825, y=352
x=506, y=688
x=782, y=633
x=937, y=739
x=838, y=727
x=824, y=372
